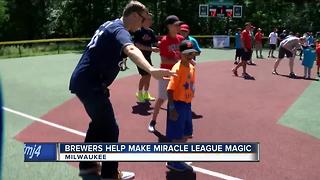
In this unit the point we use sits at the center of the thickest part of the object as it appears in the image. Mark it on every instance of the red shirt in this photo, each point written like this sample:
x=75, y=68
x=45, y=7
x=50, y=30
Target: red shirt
x=258, y=37
x=169, y=48
x=318, y=52
x=246, y=39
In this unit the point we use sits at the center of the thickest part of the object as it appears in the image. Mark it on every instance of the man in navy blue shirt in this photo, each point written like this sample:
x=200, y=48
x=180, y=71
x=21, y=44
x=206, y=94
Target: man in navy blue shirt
x=98, y=67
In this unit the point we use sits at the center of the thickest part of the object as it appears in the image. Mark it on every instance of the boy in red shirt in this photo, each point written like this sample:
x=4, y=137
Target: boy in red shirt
x=247, y=51
x=170, y=54
x=258, y=43
x=180, y=93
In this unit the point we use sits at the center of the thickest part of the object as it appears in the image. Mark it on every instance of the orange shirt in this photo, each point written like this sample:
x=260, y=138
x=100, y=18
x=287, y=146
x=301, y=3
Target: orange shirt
x=182, y=85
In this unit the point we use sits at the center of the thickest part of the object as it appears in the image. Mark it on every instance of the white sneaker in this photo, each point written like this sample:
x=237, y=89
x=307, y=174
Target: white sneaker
x=151, y=126
x=122, y=175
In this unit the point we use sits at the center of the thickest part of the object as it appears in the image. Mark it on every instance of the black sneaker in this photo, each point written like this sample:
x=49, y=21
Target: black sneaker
x=94, y=170
x=275, y=72
x=246, y=76
x=151, y=126
x=292, y=75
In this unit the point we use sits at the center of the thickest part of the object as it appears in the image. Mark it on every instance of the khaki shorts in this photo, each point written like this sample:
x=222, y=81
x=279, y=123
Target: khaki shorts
x=258, y=46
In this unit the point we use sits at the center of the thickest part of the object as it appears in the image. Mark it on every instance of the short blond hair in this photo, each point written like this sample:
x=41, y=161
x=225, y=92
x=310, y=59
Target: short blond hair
x=134, y=6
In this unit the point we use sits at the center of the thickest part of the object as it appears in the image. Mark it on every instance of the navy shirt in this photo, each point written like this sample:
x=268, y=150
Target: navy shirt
x=145, y=37
x=100, y=62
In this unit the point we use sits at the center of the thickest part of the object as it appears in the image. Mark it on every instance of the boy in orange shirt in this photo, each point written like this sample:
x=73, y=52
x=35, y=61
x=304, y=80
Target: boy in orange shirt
x=180, y=93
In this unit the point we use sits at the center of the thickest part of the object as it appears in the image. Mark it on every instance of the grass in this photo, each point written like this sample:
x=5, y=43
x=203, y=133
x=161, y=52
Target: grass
x=25, y=50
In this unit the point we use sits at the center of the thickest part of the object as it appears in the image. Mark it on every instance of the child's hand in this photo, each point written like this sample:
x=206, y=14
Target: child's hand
x=173, y=114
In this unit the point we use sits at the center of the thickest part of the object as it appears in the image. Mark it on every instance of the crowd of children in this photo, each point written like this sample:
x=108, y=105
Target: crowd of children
x=178, y=51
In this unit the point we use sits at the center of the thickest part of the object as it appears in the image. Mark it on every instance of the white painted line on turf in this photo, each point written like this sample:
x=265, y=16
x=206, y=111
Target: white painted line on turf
x=196, y=169
x=45, y=122
x=212, y=173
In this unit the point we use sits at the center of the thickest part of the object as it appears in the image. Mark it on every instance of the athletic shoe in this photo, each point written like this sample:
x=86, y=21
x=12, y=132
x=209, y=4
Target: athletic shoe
x=273, y=56
x=139, y=96
x=147, y=96
x=179, y=166
x=151, y=126
x=275, y=72
x=292, y=75
x=235, y=72
x=94, y=170
x=122, y=175
x=246, y=76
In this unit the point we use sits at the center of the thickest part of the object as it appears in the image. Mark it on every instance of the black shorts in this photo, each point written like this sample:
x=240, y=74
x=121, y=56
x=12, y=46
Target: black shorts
x=284, y=51
x=246, y=56
x=273, y=46
x=239, y=52
x=143, y=72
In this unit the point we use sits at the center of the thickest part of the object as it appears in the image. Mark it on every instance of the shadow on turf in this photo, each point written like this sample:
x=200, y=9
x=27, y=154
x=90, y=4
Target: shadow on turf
x=298, y=77
x=161, y=138
x=90, y=177
x=196, y=116
x=174, y=175
x=142, y=108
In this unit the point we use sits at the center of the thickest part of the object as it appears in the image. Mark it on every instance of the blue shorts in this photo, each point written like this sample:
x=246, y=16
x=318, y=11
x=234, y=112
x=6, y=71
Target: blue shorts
x=183, y=125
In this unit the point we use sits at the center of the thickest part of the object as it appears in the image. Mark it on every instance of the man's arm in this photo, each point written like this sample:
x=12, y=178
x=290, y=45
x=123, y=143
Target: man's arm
x=137, y=57
x=147, y=48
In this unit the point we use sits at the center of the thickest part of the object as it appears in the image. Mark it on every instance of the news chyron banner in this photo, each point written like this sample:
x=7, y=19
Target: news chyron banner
x=39, y=152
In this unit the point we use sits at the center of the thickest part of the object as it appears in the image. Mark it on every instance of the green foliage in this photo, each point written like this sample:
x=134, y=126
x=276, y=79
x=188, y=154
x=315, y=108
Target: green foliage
x=3, y=11
x=37, y=19
x=40, y=49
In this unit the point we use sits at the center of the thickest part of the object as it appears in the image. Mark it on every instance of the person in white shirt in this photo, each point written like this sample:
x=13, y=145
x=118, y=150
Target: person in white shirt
x=288, y=47
x=273, y=37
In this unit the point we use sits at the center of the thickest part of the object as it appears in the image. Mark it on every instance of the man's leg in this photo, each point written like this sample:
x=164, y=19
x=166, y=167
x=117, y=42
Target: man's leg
x=275, y=67
x=269, y=52
x=146, y=80
x=146, y=95
x=235, y=69
x=291, y=64
x=102, y=128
